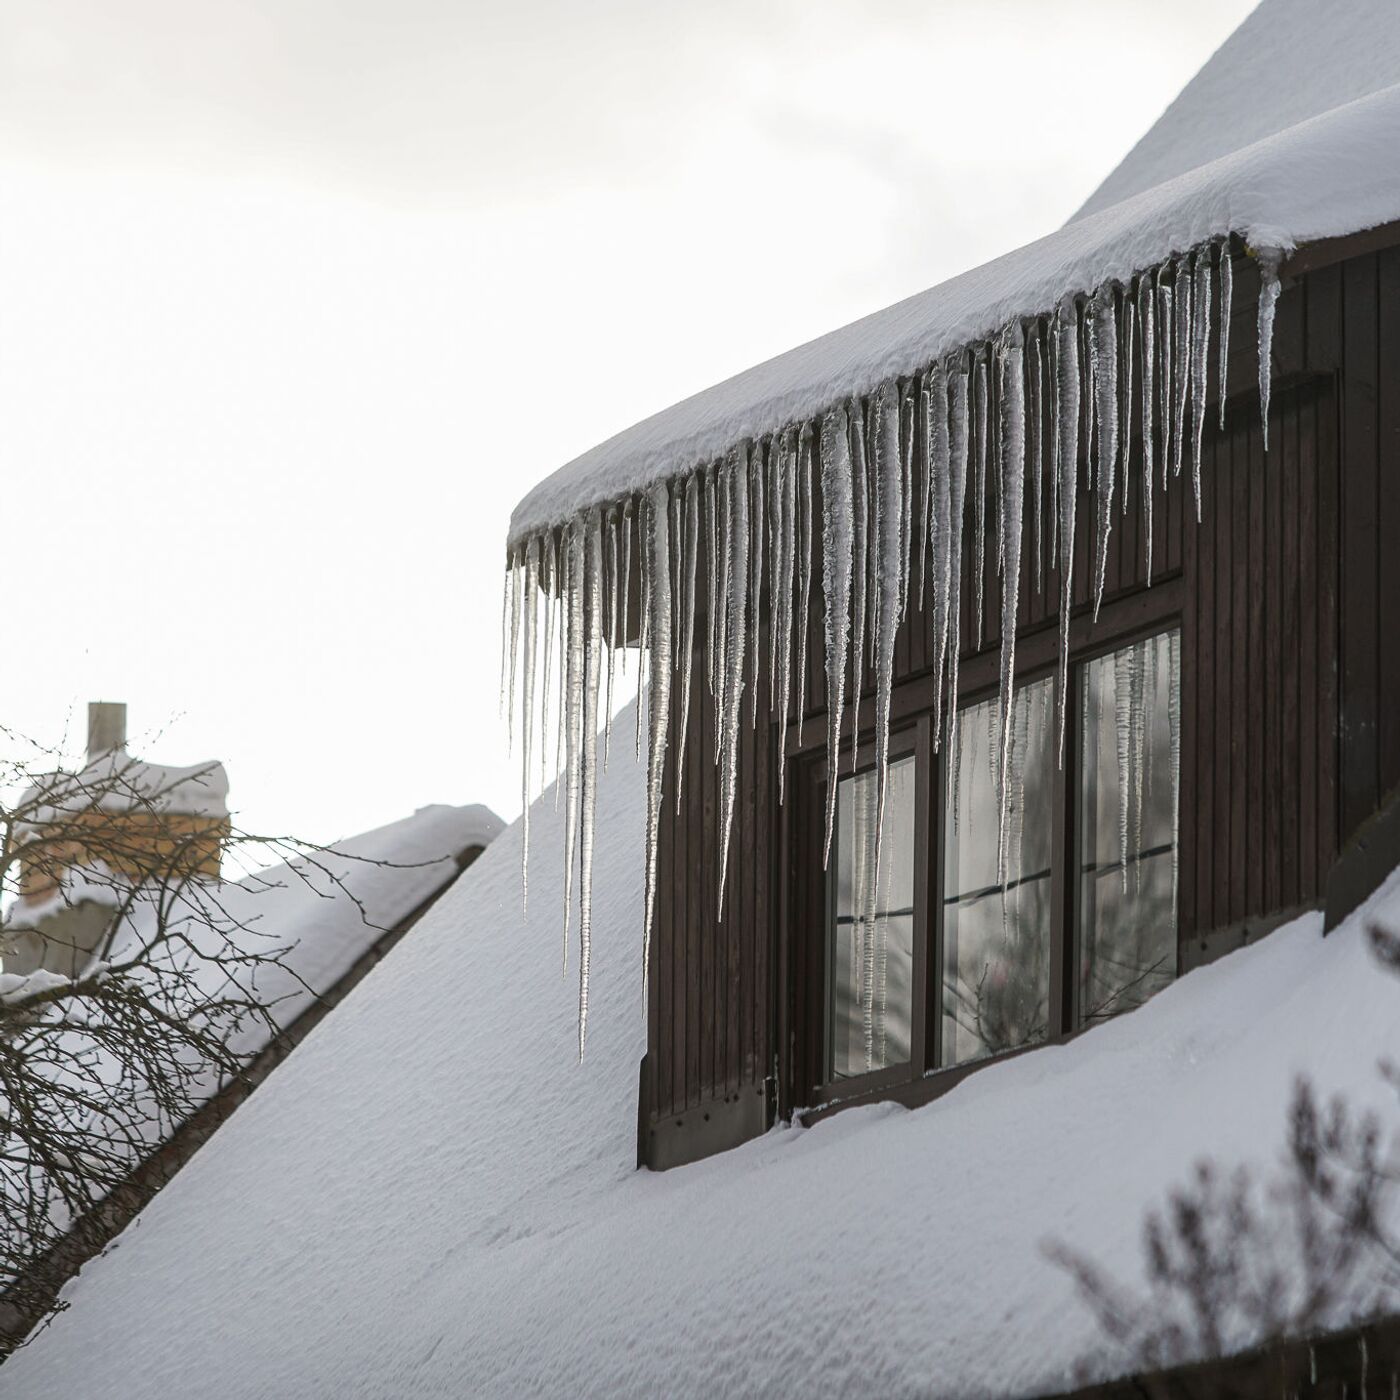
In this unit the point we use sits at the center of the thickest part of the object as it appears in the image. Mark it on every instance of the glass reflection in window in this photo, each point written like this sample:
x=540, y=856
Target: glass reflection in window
x=1131, y=733
x=996, y=924
x=870, y=1006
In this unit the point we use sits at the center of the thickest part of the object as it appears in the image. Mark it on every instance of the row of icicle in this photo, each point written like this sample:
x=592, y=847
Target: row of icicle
x=892, y=469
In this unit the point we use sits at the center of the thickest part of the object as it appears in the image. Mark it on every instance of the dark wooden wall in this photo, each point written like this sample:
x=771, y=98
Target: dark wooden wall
x=1287, y=596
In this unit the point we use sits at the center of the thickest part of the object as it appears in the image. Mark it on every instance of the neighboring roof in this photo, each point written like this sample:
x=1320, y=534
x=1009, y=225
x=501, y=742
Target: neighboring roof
x=120, y=782
x=432, y=1197
x=1332, y=173
x=1289, y=60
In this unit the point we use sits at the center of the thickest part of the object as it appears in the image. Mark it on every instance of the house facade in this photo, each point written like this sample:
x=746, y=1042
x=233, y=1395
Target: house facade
x=1019, y=648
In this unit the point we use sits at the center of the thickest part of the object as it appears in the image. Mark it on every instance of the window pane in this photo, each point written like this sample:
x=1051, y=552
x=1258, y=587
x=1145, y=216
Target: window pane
x=872, y=942
x=996, y=931
x=1128, y=826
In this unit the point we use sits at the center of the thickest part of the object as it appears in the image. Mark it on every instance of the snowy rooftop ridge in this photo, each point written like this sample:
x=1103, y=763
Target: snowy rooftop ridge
x=1288, y=61
x=1330, y=174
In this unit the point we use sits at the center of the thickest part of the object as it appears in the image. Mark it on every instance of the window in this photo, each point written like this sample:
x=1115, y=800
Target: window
x=997, y=922
x=1130, y=758
x=870, y=1015
x=970, y=942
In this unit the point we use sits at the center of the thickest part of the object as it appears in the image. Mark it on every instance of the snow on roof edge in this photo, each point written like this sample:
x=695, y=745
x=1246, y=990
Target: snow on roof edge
x=1327, y=176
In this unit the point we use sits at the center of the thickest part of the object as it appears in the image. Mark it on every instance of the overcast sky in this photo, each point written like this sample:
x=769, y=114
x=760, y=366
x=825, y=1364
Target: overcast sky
x=298, y=297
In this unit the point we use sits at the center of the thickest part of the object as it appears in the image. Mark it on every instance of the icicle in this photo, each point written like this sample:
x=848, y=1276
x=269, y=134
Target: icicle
x=643, y=631
x=507, y=583
x=1181, y=375
x=958, y=451
x=804, y=547
x=926, y=528
x=561, y=726
x=1053, y=347
x=1067, y=415
x=888, y=515
x=1106, y=412
x=572, y=679
x=1035, y=395
x=979, y=544
x=592, y=669
x=516, y=571
x=1011, y=387
x=1269, y=260
x=783, y=586
x=860, y=516
x=736, y=629
x=757, y=529
x=527, y=711
x=723, y=498
x=1166, y=338
x=659, y=701
x=610, y=611
x=551, y=601
x=686, y=583
x=1227, y=293
x=1125, y=392
x=1148, y=353
x=873, y=589
x=1200, y=360
x=627, y=514
x=906, y=526
x=939, y=480
x=837, y=529
x=712, y=580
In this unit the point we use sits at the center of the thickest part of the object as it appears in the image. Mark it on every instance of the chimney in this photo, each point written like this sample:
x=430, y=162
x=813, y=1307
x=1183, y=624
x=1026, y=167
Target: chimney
x=106, y=729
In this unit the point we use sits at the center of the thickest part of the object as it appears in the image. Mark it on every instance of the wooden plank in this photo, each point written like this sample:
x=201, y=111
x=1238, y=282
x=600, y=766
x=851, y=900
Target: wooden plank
x=1203, y=753
x=1325, y=444
x=1360, y=718
x=1285, y=656
x=1259, y=683
x=1388, y=520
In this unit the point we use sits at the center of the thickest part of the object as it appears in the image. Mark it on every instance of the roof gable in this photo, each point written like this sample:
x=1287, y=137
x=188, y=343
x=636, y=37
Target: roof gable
x=1289, y=60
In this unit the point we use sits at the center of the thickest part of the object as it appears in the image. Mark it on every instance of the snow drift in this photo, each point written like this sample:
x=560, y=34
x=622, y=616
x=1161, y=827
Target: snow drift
x=433, y=1198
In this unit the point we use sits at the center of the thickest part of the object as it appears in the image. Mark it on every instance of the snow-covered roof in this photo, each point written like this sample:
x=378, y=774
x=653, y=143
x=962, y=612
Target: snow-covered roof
x=1290, y=60
x=116, y=782
x=1292, y=167
x=432, y=1197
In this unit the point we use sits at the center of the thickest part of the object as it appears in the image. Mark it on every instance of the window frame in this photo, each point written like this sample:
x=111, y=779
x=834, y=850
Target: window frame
x=1122, y=621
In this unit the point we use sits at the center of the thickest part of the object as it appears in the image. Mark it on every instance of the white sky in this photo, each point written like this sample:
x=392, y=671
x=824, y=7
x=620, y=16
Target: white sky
x=298, y=297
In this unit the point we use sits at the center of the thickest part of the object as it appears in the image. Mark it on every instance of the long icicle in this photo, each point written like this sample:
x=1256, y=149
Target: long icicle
x=924, y=448
x=553, y=589
x=1227, y=298
x=1269, y=261
x=516, y=571
x=1010, y=501
x=1181, y=354
x=860, y=545
x=592, y=669
x=1146, y=325
x=1035, y=394
x=724, y=499
x=787, y=559
x=527, y=710
x=610, y=591
x=1067, y=413
x=1106, y=413
x=804, y=549
x=1200, y=361
x=940, y=484
x=979, y=543
x=757, y=529
x=686, y=584
x=736, y=629
x=1166, y=338
x=957, y=501
x=659, y=699
x=837, y=515
x=888, y=515
x=571, y=677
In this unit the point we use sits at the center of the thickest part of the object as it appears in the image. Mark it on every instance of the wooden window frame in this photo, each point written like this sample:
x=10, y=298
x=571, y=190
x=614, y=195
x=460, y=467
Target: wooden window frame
x=1132, y=617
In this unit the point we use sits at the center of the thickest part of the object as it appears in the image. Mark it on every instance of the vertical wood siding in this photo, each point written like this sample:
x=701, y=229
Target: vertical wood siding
x=1289, y=605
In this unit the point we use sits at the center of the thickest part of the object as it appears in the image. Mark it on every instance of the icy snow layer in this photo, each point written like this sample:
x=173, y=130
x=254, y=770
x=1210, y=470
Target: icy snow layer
x=1332, y=174
x=120, y=783
x=431, y=1198
x=1289, y=60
